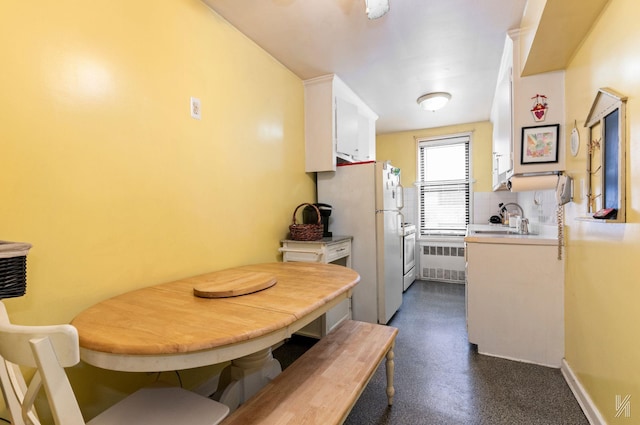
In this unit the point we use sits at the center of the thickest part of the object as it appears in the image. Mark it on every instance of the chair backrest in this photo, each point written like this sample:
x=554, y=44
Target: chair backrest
x=48, y=349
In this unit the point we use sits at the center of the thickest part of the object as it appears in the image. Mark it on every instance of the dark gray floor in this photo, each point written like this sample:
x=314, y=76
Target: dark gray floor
x=441, y=379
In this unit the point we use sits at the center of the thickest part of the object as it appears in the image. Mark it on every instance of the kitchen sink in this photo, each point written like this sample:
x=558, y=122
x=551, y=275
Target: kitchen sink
x=496, y=231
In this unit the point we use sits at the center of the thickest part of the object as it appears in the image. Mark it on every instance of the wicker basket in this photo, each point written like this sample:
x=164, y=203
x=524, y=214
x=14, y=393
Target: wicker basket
x=13, y=269
x=306, y=232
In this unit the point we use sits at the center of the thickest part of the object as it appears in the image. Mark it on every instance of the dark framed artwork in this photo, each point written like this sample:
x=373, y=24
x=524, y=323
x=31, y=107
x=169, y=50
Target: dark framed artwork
x=539, y=144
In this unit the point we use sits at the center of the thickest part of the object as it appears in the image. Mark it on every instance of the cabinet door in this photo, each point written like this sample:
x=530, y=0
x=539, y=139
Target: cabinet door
x=337, y=315
x=320, y=252
x=319, y=125
x=502, y=128
x=347, y=123
x=515, y=308
x=367, y=139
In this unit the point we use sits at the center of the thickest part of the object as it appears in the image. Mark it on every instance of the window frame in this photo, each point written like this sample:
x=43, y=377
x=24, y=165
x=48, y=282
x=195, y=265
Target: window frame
x=439, y=141
x=606, y=154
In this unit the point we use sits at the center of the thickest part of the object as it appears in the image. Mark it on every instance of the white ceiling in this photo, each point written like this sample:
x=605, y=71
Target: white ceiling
x=418, y=47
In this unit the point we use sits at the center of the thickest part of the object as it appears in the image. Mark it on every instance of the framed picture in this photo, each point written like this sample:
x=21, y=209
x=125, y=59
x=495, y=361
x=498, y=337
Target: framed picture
x=539, y=144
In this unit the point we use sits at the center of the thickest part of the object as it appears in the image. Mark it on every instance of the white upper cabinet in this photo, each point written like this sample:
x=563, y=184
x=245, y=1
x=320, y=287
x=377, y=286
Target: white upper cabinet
x=339, y=126
x=513, y=111
x=347, y=122
x=367, y=138
x=502, y=119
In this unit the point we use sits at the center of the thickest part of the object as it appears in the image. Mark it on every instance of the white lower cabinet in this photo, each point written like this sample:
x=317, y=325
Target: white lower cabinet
x=336, y=250
x=515, y=301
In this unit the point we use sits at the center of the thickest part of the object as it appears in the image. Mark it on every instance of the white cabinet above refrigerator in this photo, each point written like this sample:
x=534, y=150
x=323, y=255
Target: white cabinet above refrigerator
x=339, y=126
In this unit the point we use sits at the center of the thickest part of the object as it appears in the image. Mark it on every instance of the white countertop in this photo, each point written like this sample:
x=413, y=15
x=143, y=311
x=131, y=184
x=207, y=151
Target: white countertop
x=490, y=233
x=327, y=239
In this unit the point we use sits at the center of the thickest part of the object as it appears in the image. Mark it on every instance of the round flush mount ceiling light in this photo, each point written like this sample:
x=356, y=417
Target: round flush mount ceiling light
x=376, y=8
x=433, y=101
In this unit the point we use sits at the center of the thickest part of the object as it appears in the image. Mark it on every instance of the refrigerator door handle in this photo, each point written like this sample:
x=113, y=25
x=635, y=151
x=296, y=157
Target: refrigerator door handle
x=400, y=197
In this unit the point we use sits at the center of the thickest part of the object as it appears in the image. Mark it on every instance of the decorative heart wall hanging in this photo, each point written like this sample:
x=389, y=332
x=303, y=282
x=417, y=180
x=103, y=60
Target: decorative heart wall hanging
x=539, y=110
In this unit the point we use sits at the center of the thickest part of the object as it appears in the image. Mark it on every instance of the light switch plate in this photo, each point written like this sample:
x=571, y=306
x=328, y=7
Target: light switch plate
x=196, y=112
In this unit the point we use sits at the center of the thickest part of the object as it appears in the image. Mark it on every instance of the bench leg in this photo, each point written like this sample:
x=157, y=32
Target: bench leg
x=390, y=369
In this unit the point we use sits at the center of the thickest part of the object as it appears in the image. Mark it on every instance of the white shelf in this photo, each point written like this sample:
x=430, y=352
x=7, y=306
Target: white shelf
x=336, y=250
x=598, y=220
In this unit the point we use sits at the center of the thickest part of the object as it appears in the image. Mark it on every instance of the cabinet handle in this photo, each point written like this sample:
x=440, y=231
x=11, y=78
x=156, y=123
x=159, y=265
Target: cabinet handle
x=300, y=251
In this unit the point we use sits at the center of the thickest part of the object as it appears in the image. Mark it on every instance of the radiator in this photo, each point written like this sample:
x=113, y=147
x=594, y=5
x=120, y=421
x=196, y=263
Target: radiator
x=442, y=261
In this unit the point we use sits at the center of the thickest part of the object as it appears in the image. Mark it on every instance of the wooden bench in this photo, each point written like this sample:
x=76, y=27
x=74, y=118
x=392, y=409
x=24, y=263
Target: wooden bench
x=322, y=386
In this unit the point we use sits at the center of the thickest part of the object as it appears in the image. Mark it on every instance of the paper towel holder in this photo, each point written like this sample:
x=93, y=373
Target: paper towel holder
x=534, y=181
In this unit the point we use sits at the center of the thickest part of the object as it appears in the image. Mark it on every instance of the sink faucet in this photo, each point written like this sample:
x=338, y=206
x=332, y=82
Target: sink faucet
x=503, y=207
x=522, y=223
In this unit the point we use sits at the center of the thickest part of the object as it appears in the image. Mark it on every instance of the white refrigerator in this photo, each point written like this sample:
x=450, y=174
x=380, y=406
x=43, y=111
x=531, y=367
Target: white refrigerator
x=366, y=200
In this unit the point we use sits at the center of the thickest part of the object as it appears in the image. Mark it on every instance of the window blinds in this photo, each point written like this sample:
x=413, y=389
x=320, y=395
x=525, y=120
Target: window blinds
x=444, y=186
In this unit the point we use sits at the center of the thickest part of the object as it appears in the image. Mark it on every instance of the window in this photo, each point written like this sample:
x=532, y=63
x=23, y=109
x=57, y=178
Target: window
x=444, y=184
x=610, y=174
x=606, y=154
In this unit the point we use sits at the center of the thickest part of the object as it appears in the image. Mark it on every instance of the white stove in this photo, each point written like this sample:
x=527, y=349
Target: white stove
x=408, y=228
x=408, y=255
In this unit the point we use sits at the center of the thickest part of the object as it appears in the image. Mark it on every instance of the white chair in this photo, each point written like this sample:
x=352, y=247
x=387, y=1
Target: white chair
x=50, y=349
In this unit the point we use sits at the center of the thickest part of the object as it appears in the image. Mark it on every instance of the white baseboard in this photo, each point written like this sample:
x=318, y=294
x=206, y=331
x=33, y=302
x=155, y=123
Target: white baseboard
x=588, y=407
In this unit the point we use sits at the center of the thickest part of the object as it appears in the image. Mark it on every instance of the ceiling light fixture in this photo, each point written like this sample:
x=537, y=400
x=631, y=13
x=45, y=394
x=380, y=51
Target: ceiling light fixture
x=433, y=101
x=376, y=8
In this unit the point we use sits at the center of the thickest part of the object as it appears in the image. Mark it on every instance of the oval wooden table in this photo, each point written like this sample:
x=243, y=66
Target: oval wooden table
x=166, y=327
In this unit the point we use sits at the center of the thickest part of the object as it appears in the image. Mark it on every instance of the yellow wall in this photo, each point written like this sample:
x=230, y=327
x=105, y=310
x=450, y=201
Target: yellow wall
x=117, y=187
x=602, y=290
x=400, y=149
x=105, y=172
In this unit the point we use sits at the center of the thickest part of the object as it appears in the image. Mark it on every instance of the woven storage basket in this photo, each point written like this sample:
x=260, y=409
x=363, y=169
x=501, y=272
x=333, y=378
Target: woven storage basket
x=306, y=232
x=13, y=269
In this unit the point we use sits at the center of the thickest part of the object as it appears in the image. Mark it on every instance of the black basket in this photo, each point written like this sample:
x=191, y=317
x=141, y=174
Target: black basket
x=13, y=269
